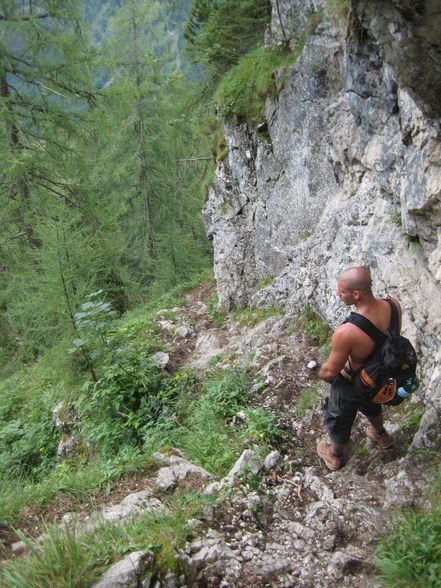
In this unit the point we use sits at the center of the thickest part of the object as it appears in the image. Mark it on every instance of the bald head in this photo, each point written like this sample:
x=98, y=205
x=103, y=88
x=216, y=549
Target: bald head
x=356, y=278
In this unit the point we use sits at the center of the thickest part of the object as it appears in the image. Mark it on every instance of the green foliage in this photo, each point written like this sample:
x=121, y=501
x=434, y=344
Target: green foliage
x=130, y=396
x=318, y=330
x=28, y=439
x=75, y=479
x=100, y=190
x=93, y=323
x=263, y=283
x=340, y=9
x=411, y=420
x=360, y=450
x=213, y=310
x=252, y=316
x=243, y=90
x=313, y=21
x=397, y=220
x=218, y=32
x=410, y=556
x=261, y=426
x=201, y=429
x=307, y=399
x=71, y=557
x=225, y=390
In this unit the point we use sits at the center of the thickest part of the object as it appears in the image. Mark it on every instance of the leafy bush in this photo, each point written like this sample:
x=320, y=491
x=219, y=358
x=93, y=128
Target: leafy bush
x=130, y=396
x=225, y=391
x=410, y=557
x=28, y=439
x=261, y=426
x=201, y=429
x=243, y=90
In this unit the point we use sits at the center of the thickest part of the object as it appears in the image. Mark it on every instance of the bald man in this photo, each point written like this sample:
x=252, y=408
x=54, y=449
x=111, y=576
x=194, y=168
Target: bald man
x=350, y=348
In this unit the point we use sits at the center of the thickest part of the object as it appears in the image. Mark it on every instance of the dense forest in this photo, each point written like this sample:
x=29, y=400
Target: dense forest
x=108, y=136
x=103, y=153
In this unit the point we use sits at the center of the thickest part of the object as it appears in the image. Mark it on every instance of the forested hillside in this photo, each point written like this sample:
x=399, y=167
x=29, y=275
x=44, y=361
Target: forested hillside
x=104, y=148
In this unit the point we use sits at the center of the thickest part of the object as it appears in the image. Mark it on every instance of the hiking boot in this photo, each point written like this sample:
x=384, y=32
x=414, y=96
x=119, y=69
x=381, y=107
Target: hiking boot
x=383, y=439
x=333, y=462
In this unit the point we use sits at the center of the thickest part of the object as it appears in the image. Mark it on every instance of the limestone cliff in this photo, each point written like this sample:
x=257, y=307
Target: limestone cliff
x=347, y=172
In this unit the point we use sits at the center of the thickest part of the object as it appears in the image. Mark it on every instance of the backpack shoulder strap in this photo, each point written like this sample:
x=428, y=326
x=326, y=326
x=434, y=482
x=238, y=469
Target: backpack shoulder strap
x=394, y=324
x=367, y=327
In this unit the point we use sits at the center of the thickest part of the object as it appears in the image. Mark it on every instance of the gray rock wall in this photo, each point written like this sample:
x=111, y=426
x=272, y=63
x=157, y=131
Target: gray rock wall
x=345, y=170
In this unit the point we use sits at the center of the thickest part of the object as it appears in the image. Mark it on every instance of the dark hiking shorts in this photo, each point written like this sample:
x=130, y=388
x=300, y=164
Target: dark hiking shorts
x=340, y=409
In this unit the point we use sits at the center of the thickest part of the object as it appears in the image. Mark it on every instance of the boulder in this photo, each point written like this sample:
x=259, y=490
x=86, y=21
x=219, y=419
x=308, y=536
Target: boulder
x=127, y=572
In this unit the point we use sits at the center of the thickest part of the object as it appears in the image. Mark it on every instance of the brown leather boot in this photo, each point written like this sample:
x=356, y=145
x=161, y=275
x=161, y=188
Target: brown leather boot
x=383, y=439
x=333, y=462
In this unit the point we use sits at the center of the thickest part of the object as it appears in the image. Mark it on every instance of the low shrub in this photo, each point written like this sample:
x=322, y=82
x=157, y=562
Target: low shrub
x=243, y=90
x=132, y=396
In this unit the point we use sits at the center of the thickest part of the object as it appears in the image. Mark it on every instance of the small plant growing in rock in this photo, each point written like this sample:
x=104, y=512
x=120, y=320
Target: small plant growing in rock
x=307, y=400
x=313, y=22
x=263, y=283
x=411, y=421
x=249, y=317
x=213, y=310
x=316, y=328
x=339, y=9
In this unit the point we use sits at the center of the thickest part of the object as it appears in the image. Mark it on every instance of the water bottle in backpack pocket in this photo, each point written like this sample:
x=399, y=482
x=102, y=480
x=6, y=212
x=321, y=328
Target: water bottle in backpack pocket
x=405, y=389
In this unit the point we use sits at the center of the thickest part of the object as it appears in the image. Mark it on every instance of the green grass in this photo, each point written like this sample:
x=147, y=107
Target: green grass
x=129, y=413
x=307, y=399
x=76, y=559
x=313, y=21
x=213, y=310
x=75, y=479
x=202, y=427
x=316, y=328
x=243, y=90
x=263, y=283
x=410, y=556
x=172, y=298
x=249, y=317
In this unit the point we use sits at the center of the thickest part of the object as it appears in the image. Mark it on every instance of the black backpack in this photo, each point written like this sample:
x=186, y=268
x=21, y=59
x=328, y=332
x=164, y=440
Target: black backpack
x=392, y=362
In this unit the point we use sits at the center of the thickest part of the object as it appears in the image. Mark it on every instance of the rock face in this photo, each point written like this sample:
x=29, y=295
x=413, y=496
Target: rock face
x=348, y=172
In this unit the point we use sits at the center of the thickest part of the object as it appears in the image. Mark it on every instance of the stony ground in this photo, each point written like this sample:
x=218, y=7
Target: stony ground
x=296, y=523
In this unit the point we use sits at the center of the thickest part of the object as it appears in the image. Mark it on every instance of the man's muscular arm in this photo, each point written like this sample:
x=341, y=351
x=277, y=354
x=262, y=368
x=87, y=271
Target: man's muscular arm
x=340, y=350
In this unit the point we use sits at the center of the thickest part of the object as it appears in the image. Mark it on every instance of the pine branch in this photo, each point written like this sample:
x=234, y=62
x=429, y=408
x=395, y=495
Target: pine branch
x=23, y=17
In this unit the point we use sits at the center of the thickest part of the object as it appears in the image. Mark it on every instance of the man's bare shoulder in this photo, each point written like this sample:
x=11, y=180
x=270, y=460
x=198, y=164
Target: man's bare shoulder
x=346, y=331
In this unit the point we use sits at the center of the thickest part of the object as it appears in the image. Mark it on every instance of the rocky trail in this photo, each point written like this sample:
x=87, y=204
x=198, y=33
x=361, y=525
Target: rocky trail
x=281, y=521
